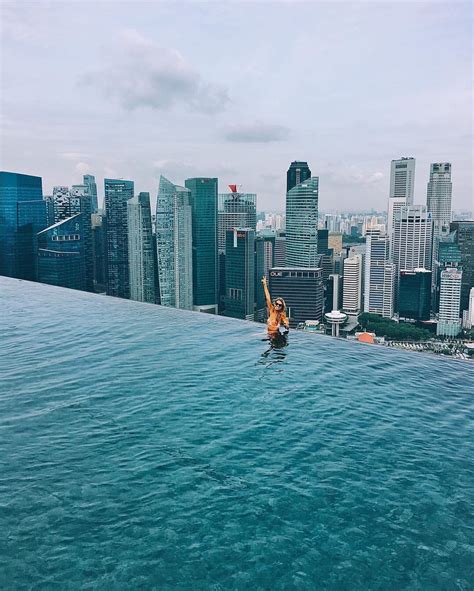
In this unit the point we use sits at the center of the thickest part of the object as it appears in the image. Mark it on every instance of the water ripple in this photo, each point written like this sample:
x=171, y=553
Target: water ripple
x=148, y=448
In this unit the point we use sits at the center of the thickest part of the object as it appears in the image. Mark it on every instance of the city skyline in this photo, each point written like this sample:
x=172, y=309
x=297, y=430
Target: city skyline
x=88, y=112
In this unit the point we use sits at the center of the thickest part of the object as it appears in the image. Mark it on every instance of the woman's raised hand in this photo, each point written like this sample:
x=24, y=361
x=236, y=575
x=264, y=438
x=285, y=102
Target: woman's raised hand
x=264, y=280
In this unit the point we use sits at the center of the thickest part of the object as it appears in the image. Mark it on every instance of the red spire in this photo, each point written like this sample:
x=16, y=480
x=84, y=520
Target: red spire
x=233, y=188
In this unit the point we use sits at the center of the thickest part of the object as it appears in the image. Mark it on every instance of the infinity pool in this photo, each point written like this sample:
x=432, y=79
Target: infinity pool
x=149, y=448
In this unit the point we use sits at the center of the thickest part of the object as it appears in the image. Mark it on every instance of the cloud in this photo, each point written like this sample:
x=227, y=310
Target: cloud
x=257, y=132
x=73, y=155
x=83, y=168
x=352, y=175
x=140, y=74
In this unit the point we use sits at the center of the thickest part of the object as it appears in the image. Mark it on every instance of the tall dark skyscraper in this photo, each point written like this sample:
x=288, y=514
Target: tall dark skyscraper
x=465, y=241
x=240, y=273
x=61, y=259
x=117, y=193
x=82, y=202
x=204, y=213
x=99, y=249
x=414, y=300
x=296, y=174
x=22, y=216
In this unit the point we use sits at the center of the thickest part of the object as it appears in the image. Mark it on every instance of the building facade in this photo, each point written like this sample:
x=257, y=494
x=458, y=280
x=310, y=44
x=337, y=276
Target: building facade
x=352, y=289
x=235, y=210
x=302, y=224
x=297, y=173
x=61, y=259
x=174, y=245
x=379, y=277
x=203, y=195
x=117, y=193
x=439, y=194
x=402, y=179
x=414, y=300
x=464, y=238
x=82, y=202
x=23, y=213
x=141, y=254
x=413, y=238
x=240, y=274
x=89, y=182
x=449, y=321
x=303, y=291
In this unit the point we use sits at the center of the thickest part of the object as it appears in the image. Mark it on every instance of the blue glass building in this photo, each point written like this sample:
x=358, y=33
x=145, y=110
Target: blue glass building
x=61, y=254
x=22, y=216
x=203, y=199
x=302, y=224
x=89, y=182
x=117, y=193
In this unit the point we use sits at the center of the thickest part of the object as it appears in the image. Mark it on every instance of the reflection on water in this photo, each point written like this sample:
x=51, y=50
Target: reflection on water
x=275, y=353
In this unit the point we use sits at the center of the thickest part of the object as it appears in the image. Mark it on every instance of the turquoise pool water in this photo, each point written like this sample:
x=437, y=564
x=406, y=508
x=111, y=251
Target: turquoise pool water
x=148, y=448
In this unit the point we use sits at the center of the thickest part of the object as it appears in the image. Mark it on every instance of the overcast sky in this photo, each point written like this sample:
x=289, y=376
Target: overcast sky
x=239, y=90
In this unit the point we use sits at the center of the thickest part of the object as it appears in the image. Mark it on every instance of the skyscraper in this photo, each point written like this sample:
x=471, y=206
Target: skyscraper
x=465, y=241
x=140, y=249
x=412, y=238
x=302, y=224
x=402, y=179
x=414, y=299
x=240, y=273
x=61, y=259
x=303, y=291
x=379, y=276
x=117, y=193
x=297, y=173
x=62, y=205
x=174, y=245
x=99, y=252
x=203, y=195
x=236, y=210
x=82, y=202
x=449, y=322
x=352, y=289
x=89, y=182
x=439, y=194
x=22, y=216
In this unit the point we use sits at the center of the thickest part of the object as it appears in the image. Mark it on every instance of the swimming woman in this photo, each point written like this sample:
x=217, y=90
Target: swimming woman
x=276, y=313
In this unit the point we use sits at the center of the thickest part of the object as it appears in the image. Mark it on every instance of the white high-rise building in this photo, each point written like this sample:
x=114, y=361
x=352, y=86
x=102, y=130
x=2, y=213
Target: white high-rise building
x=439, y=194
x=141, y=257
x=468, y=315
x=351, y=296
x=379, y=279
x=412, y=238
x=449, y=322
x=174, y=245
x=402, y=179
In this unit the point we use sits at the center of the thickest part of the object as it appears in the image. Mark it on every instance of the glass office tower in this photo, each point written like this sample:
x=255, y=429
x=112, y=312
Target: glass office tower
x=203, y=198
x=61, y=259
x=302, y=224
x=117, y=193
x=174, y=245
x=23, y=213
